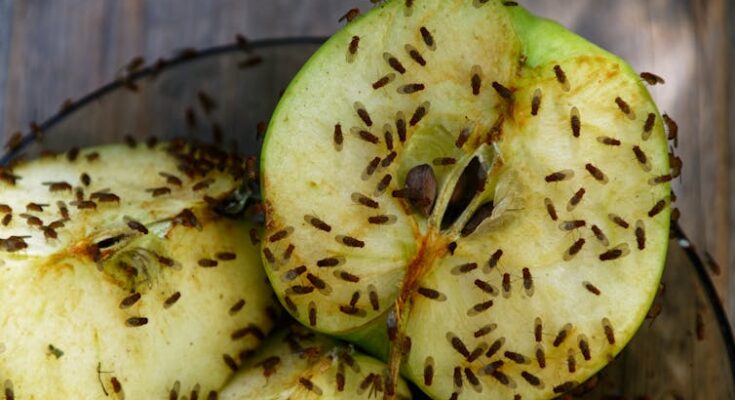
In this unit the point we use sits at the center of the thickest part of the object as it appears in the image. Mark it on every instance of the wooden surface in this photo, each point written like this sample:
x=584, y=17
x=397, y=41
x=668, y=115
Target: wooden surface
x=52, y=50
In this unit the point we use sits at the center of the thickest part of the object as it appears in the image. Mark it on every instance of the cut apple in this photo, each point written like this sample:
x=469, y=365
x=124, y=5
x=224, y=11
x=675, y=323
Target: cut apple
x=296, y=364
x=117, y=278
x=478, y=189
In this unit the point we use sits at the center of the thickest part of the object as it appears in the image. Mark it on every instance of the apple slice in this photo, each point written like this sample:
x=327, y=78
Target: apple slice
x=478, y=188
x=117, y=278
x=296, y=363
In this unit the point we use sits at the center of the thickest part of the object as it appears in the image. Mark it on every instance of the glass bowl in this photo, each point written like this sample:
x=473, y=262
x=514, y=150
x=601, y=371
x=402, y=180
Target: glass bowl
x=226, y=94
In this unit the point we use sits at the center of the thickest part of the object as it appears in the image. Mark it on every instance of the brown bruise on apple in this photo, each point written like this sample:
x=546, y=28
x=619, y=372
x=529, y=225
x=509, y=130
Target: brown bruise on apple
x=562, y=133
x=127, y=286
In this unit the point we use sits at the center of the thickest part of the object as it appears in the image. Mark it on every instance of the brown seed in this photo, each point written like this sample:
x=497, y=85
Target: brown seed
x=171, y=300
x=618, y=220
x=422, y=188
x=419, y=114
x=651, y=78
x=595, y=172
x=338, y=135
x=527, y=279
x=608, y=141
x=411, y=88
x=292, y=307
x=269, y=255
x=640, y=235
x=559, y=176
x=328, y=262
x=562, y=335
x=609, y=334
x=501, y=377
x=136, y=321
x=354, y=44
x=6, y=209
x=657, y=208
x=395, y=64
x=648, y=126
x=202, y=185
x=464, y=268
x=7, y=219
x=503, y=91
x=426, y=36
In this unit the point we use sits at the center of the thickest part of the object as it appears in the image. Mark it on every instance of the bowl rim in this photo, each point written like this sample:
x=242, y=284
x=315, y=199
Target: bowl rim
x=677, y=233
